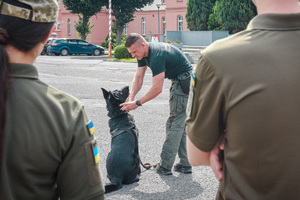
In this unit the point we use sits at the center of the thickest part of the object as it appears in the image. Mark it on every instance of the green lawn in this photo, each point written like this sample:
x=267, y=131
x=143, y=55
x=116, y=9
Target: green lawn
x=119, y=60
x=123, y=60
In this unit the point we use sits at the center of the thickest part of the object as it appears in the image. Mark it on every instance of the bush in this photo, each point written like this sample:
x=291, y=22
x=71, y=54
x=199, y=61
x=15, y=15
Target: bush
x=104, y=44
x=122, y=52
x=113, y=41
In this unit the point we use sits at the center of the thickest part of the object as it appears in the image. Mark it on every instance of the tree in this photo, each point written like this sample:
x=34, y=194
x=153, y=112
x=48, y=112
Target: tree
x=234, y=15
x=85, y=8
x=124, y=10
x=198, y=13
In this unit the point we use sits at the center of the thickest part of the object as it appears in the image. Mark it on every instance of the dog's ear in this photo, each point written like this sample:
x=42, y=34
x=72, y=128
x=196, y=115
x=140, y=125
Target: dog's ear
x=105, y=93
x=126, y=88
x=125, y=91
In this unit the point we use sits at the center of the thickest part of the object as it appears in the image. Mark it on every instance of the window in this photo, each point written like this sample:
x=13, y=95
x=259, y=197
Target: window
x=72, y=41
x=143, y=26
x=180, y=23
x=83, y=42
x=69, y=27
x=164, y=25
x=125, y=29
x=163, y=2
x=57, y=27
x=58, y=1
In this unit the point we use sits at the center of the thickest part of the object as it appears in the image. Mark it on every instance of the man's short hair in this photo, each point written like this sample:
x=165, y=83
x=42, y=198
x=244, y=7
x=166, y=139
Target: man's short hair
x=133, y=38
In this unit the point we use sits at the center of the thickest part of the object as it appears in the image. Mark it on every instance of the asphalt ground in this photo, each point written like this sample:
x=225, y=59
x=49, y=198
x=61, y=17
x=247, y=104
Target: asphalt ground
x=83, y=77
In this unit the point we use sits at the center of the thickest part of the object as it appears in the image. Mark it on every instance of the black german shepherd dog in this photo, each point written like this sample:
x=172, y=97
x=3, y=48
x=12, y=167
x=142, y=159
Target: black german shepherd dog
x=123, y=161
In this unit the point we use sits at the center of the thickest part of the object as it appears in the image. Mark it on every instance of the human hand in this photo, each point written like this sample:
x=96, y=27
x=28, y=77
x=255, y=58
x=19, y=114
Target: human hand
x=216, y=158
x=128, y=99
x=128, y=106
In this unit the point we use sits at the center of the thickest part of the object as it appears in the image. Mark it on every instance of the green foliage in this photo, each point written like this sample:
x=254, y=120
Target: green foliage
x=198, y=14
x=233, y=15
x=173, y=42
x=104, y=44
x=124, y=10
x=113, y=41
x=83, y=31
x=85, y=8
x=121, y=52
x=213, y=24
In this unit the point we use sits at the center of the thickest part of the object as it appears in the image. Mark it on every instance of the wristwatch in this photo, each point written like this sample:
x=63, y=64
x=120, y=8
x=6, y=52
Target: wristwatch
x=138, y=103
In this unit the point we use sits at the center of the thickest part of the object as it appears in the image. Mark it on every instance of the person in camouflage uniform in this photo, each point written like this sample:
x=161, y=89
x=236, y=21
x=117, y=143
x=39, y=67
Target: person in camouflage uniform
x=47, y=145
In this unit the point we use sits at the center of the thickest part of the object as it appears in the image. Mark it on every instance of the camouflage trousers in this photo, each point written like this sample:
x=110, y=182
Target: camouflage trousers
x=175, y=129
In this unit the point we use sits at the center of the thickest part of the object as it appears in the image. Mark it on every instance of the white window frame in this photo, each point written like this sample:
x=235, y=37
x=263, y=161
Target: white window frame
x=69, y=27
x=58, y=25
x=143, y=26
x=164, y=23
x=180, y=23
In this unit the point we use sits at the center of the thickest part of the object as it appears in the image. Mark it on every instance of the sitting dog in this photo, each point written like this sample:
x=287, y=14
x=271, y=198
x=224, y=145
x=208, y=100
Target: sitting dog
x=123, y=161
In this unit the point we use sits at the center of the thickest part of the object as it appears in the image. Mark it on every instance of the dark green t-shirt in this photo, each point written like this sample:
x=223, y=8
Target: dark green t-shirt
x=166, y=58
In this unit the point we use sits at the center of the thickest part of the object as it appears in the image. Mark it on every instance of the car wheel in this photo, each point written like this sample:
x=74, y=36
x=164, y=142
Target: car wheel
x=97, y=52
x=64, y=52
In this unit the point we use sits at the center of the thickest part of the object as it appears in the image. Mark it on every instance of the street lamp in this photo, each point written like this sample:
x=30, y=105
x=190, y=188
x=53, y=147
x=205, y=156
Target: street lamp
x=158, y=6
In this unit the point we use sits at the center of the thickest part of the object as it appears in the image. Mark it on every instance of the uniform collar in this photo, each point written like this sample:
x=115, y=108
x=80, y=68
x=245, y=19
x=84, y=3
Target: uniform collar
x=18, y=70
x=274, y=21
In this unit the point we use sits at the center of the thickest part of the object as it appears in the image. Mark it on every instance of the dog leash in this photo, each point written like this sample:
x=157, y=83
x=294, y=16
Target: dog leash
x=148, y=165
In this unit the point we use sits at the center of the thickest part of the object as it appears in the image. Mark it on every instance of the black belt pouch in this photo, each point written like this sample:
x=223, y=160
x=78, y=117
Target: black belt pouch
x=185, y=81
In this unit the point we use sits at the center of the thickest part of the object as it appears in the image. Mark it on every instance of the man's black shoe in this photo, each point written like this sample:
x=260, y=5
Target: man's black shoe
x=163, y=171
x=183, y=169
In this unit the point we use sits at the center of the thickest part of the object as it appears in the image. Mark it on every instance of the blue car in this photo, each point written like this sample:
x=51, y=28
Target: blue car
x=66, y=47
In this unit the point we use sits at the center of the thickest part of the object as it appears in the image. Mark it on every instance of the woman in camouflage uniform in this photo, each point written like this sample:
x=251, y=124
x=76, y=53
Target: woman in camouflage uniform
x=48, y=150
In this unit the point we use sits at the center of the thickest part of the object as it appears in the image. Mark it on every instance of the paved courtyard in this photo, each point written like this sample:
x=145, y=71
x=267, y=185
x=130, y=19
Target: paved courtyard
x=83, y=77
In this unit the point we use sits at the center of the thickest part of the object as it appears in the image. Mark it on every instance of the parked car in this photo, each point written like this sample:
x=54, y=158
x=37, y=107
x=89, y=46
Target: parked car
x=67, y=46
x=49, y=41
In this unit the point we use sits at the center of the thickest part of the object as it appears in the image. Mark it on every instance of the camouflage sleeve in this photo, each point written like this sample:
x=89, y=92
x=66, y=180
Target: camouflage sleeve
x=79, y=175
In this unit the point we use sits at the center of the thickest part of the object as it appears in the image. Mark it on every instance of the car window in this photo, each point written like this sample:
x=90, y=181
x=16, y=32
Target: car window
x=72, y=41
x=59, y=41
x=83, y=42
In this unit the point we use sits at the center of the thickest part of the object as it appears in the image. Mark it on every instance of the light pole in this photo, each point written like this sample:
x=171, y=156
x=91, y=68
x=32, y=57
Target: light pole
x=158, y=6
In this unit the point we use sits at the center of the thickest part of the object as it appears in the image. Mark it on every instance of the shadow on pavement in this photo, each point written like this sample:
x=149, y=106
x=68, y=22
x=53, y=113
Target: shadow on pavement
x=161, y=188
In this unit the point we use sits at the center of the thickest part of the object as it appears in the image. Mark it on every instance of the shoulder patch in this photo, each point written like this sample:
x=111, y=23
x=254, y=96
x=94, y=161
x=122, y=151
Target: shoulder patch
x=190, y=101
x=90, y=127
x=193, y=79
x=95, y=151
x=191, y=94
x=93, y=158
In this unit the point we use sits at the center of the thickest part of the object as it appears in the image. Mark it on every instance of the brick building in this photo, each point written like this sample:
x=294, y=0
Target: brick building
x=171, y=14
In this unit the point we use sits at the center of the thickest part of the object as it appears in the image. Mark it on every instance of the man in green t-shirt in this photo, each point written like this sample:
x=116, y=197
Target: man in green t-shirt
x=165, y=61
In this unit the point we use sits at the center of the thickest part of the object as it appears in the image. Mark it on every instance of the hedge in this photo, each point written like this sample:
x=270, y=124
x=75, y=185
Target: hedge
x=121, y=52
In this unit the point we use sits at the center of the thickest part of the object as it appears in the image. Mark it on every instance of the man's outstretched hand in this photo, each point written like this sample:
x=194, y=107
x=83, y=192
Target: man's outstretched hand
x=128, y=106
